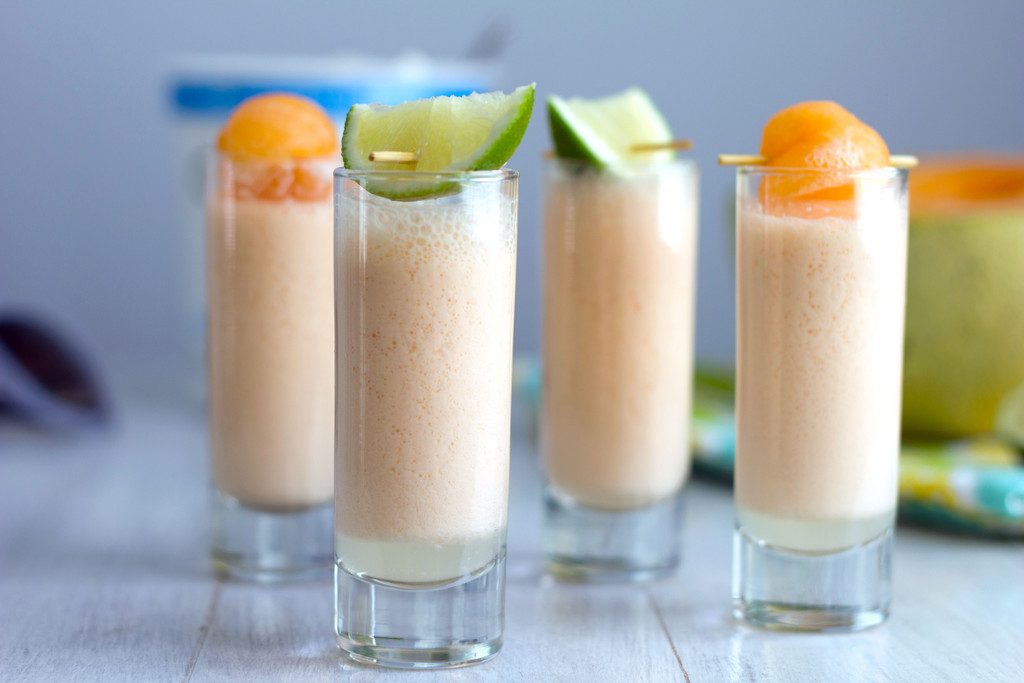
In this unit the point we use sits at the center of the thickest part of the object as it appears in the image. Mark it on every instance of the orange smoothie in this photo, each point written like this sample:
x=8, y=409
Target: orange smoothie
x=619, y=273
x=271, y=287
x=424, y=381
x=820, y=324
x=821, y=272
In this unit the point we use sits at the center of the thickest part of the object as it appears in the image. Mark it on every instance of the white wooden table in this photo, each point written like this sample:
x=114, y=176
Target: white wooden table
x=103, y=576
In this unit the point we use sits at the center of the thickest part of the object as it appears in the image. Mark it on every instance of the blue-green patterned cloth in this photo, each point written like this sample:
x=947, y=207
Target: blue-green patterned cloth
x=974, y=485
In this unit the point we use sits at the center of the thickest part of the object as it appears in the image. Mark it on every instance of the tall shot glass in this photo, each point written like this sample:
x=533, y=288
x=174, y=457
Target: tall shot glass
x=424, y=309
x=620, y=250
x=820, y=302
x=271, y=360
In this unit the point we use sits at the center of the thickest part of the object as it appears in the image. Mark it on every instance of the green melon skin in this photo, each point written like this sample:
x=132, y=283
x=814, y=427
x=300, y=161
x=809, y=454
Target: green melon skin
x=965, y=321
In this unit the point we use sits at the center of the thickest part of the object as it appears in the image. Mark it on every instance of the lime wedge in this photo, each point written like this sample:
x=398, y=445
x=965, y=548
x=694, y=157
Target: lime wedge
x=448, y=134
x=603, y=131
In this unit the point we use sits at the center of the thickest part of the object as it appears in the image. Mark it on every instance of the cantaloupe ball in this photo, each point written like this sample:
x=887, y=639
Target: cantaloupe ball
x=818, y=136
x=277, y=127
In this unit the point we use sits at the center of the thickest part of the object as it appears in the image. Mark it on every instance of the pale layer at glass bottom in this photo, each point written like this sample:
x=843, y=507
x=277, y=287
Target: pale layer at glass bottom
x=416, y=562
x=812, y=535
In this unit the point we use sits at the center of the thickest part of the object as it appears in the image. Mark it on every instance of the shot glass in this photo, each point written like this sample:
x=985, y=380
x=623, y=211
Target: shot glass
x=271, y=366
x=820, y=300
x=425, y=296
x=620, y=248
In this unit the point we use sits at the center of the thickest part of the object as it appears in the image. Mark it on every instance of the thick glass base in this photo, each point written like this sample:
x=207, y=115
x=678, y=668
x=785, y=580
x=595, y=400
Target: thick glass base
x=258, y=545
x=586, y=544
x=848, y=590
x=415, y=627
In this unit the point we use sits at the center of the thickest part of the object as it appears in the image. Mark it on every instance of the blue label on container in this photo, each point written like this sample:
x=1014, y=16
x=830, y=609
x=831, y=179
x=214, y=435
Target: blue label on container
x=207, y=99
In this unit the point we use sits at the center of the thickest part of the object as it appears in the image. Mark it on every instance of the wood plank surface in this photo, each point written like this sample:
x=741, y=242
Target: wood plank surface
x=103, y=576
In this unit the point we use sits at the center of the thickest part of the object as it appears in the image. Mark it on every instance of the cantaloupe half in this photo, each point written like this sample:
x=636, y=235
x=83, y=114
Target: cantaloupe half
x=965, y=294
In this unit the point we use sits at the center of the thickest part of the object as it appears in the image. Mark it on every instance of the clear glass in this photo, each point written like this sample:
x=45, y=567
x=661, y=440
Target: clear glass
x=620, y=249
x=424, y=310
x=271, y=366
x=820, y=278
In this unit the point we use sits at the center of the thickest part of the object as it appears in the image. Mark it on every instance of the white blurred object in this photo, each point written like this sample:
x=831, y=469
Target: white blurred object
x=202, y=89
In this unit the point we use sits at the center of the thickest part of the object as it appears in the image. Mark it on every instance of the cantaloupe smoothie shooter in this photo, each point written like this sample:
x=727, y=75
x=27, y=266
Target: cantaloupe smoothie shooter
x=425, y=249
x=271, y=337
x=821, y=275
x=620, y=232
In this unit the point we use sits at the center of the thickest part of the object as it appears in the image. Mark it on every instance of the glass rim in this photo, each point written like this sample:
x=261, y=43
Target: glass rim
x=882, y=172
x=495, y=175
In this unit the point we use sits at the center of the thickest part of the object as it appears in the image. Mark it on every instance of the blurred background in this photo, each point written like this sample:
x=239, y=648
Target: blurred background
x=95, y=234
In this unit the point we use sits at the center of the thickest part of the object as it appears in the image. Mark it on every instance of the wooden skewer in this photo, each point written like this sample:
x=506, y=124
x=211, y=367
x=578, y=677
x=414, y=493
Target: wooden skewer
x=393, y=157
x=740, y=160
x=643, y=147
x=896, y=160
x=681, y=145
x=903, y=161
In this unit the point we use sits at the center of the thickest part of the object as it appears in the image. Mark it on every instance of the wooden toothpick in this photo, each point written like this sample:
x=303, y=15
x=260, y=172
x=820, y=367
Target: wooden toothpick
x=681, y=145
x=896, y=160
x=740, y=160
x=393, y=157
x=903, y=161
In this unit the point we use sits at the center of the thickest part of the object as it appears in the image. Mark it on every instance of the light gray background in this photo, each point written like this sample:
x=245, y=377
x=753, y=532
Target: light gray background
x=89, y=227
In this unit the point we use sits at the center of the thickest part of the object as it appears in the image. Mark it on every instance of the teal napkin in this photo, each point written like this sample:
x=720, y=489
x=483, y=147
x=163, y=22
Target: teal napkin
x=974, y=485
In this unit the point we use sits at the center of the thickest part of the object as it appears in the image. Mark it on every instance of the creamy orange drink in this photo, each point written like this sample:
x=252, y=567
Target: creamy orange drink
x=620, y=240
x=821, y=276
x=425, y=263
x=271, y=336
x=820, y=396
x=619, y=256
x=425, y=356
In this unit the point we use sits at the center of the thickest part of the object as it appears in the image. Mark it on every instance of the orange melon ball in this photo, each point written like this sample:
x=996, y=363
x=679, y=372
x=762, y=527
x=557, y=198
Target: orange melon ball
x=801, y=123
x=278, y=127
x=818, y=136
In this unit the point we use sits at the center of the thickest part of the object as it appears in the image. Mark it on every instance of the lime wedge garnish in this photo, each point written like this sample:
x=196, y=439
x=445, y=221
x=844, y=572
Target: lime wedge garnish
x=448, y=134
x=603, y=131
